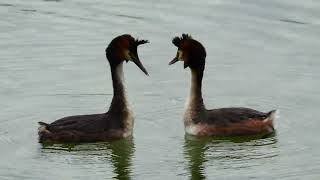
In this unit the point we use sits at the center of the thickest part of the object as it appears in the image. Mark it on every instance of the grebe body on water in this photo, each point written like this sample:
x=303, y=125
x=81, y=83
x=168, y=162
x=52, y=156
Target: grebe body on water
x=215, y=122
x=118, y=121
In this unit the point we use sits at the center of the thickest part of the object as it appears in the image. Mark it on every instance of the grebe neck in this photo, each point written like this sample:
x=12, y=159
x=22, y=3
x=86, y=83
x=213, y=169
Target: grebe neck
x=119, y=100
x=196, y=85
x=195, y=110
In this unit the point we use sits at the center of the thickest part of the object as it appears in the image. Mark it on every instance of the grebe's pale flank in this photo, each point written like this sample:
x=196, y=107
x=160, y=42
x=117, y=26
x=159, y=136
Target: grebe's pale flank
x=118, y=121
x=215, y=122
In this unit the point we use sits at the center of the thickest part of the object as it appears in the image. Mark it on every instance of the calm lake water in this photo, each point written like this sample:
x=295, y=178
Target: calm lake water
x=260, y=54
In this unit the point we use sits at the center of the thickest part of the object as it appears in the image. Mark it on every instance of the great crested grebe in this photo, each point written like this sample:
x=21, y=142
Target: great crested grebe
x=118, y=121
x=215, y=122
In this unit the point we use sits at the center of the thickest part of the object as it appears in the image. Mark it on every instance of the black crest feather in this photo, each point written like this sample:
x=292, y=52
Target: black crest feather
x=139, y=42
x=177, y=40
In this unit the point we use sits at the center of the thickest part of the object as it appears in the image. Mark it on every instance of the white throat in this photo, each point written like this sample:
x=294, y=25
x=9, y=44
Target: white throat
x=195, y=110
x=120, y=76
x=193, y=96
x=119, y=72
x=128, y=121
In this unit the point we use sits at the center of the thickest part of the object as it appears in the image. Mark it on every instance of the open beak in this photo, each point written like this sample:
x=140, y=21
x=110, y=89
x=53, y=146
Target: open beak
x=176, y=59
x=136, y=60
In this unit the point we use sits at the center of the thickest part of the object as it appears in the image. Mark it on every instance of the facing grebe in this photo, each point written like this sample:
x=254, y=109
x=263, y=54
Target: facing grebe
x=118, y=121
x=216, y=122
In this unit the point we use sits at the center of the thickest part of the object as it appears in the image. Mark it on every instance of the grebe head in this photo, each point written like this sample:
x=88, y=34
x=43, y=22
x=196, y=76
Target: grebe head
x=124, y=48
x=190, y=51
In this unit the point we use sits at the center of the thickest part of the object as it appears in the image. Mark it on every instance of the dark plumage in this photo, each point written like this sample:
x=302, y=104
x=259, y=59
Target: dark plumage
x=215, y=122
x=118, y=121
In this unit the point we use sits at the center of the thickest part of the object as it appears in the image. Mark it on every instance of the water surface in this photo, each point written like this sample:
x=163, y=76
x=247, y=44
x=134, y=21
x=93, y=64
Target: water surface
x=260, y=54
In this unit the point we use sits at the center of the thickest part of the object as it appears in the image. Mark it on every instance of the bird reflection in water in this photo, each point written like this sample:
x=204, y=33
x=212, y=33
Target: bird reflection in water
x=194, y=153
x=118, y=152
x=121, y=157
x=201, y=152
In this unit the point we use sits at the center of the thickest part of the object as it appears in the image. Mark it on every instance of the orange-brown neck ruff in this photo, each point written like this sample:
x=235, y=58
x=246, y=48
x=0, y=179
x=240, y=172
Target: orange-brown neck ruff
x=195, y=110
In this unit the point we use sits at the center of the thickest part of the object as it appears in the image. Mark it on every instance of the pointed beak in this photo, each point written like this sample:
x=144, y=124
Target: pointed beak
x=136, y=60
x=174, y=61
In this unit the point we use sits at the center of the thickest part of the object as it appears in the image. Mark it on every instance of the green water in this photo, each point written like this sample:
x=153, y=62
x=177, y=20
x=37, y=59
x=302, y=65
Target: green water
x=260, y=54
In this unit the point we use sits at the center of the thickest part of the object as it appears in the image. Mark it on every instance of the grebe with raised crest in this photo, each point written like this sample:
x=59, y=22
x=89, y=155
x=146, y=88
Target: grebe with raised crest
x=114, y=124
x=215, y=122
